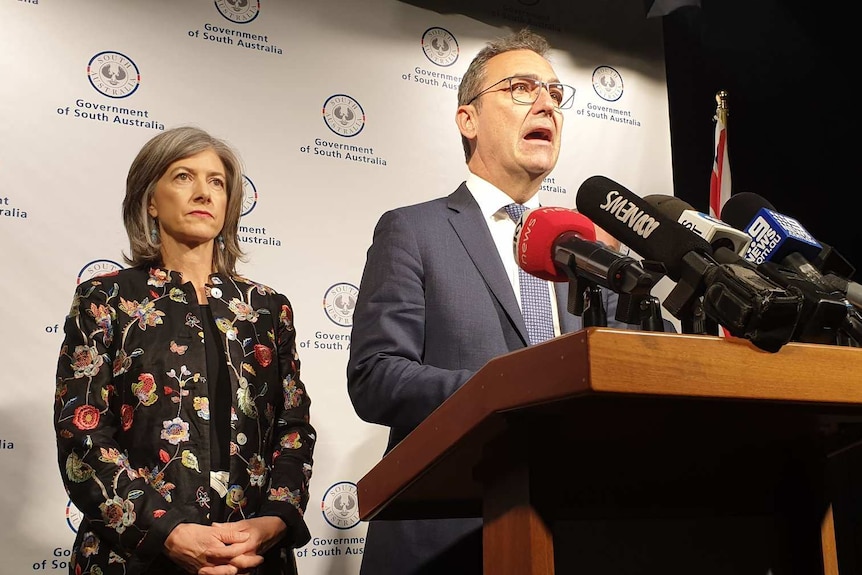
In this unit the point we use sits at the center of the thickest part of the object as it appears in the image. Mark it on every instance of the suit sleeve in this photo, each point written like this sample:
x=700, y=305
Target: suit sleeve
x=387, y=378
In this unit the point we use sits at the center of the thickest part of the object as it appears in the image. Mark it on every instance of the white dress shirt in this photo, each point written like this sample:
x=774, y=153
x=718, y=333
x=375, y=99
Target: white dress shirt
x=492, y=201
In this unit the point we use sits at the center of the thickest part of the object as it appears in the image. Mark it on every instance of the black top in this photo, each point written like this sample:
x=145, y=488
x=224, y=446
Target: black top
x=220, y=402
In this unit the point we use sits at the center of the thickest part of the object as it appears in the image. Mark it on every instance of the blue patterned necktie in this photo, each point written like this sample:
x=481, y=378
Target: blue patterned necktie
x=535, y=296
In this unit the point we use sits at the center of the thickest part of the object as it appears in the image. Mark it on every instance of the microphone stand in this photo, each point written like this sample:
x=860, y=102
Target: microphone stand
x=640, y=308
x=650, y=309
x=587, y=302
x=695, y=320
x=635, y=304
x=595, y=314
x=850, y=333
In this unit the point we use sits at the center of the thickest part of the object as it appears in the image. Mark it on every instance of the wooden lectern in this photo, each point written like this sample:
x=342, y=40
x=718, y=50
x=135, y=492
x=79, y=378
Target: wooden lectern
x=606, y=423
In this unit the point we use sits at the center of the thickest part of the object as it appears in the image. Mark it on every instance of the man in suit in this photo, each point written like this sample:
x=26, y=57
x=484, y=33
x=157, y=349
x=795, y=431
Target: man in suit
x=439, y=296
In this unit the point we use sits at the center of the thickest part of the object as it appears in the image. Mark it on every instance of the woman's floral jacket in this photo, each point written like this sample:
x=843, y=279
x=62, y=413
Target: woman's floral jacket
x=133, y=423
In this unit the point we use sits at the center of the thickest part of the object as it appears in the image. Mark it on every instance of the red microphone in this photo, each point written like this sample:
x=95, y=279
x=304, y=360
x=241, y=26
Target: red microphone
x=558, y=244
x=536, y=234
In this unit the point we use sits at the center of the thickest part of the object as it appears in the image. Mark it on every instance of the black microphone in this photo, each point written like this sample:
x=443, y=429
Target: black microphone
x=630, y=219
x=822, y=316
x=740, y=210
x=735, y=295
x=716, y=232
x=774, y=235
x=781, y=239
x=826, y=317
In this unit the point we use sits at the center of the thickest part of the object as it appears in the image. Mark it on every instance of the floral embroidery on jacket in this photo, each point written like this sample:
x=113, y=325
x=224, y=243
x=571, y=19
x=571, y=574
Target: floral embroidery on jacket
x=132, y=412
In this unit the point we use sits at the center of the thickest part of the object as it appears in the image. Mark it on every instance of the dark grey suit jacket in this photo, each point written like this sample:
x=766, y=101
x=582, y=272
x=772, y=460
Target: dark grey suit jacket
x=435, y=304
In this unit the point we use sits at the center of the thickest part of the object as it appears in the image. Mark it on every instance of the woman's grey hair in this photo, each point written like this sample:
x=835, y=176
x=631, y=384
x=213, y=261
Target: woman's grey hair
x=474, y=77
x=149, y=166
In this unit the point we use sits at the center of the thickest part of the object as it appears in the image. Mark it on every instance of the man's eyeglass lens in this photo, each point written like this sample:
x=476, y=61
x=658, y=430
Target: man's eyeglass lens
x=526, y=91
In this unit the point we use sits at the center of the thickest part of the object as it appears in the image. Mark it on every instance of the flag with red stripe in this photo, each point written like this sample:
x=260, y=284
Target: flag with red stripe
x=719, y=182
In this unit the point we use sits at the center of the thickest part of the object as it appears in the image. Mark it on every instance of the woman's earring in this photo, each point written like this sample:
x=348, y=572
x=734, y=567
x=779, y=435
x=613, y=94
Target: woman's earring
x=154, y=232
x=220, y=240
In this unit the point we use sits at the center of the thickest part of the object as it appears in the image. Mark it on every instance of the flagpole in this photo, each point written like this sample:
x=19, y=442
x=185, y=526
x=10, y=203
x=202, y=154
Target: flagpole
x=721, y=102
x=719, y=184
x=721, y=108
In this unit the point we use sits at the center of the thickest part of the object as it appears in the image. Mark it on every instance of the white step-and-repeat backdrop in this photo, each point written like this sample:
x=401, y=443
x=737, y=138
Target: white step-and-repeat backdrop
x=340, y=110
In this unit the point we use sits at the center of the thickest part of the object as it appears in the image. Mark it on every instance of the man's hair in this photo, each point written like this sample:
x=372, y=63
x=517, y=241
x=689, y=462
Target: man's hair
x=149, y=166
x=474, y=77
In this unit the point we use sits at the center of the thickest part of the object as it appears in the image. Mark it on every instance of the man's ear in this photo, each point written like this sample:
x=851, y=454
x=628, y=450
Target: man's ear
x=466, y=119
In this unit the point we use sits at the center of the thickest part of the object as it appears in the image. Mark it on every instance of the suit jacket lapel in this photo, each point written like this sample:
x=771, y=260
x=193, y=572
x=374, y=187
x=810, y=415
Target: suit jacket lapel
x=467, y=221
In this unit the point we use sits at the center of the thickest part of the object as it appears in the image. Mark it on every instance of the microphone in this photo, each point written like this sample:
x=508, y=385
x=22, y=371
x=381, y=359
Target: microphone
x=551, y=242
x=735, y=295
x=744, y=205
x=774, y=235
x=558, y=244
x=713, y=230
x=791, y=245
x=638, y=225
x=822, y=314
x=826, y=317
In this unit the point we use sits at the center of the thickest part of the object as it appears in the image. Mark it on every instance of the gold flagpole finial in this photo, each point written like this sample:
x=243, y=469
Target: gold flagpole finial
x=721, y=109
x=721, y=99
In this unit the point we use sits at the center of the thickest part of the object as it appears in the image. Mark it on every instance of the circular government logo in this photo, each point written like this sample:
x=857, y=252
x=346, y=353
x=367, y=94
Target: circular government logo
x=239, y=11
x=249, y=195
x=339, y=301
x=607, y=83
x=340, y=505
x=343, y=115
x=73, y=516
x=113, y=74
x=440, y=46
x=98, y=268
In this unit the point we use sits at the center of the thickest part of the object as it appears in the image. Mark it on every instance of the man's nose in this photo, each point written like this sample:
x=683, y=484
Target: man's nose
x=544, y=100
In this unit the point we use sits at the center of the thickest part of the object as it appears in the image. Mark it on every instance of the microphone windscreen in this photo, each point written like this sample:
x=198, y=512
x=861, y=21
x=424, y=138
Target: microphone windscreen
x=671, y=206
x=740, y=209
x=626, y=216
x=776, y=236
x=536, y=234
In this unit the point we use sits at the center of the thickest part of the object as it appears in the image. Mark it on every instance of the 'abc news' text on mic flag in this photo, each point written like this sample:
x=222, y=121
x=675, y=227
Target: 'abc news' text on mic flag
x=719, y=182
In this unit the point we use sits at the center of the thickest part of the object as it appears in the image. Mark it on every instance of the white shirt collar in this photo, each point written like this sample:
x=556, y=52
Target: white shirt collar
x=492, y=199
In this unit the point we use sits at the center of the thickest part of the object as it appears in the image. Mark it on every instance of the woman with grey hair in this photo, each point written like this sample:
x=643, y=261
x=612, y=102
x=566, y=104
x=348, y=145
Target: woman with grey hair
x=182, y=424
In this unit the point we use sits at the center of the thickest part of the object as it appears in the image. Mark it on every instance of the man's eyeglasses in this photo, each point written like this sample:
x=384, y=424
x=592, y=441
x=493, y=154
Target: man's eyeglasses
x=526, y=91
